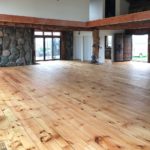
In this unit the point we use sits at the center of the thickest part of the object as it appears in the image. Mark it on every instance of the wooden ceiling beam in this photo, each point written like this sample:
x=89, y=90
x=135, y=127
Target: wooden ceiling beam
x=123, y=19
x=44, y=27
x=135, y=25
x=40, y=21
x=138, y=20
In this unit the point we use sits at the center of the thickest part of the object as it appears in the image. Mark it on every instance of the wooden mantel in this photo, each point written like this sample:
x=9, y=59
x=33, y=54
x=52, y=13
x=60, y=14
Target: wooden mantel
x=129, y=21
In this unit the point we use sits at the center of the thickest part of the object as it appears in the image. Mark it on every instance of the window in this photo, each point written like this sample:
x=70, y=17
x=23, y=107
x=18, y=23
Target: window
x=47, y=33
x=38, y=33
x=56, y=33
x=109, y=41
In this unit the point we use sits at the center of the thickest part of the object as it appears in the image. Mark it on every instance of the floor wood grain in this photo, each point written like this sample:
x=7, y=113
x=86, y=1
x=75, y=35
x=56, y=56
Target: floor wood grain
x=66, y=105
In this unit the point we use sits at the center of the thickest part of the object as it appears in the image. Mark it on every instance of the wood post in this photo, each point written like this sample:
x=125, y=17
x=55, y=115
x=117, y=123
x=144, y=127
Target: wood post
x=63, y=45
x=96, y=43
x=67, y=45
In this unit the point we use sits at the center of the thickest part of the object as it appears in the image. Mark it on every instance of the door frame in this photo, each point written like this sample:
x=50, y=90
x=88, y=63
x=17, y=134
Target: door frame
x=44, y=48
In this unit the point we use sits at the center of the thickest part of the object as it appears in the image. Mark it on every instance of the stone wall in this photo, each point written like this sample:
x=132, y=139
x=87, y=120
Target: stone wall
x=16, y=45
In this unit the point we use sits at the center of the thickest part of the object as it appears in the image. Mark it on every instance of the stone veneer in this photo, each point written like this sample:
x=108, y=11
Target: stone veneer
x=16, y=45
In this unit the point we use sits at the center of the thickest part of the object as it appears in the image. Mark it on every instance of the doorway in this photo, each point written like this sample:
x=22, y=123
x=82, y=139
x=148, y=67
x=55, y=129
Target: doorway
x=47, y=45
x=140, y=48
x=108, y=47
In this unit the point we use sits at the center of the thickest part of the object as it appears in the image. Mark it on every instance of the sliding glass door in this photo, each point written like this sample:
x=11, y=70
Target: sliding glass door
x=47, y=45
x=56, y=48
x=48, y=48
x=39, y=46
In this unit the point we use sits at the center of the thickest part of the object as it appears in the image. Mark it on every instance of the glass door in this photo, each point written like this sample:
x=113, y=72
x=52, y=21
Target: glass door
x=140, y=48
x=48, y=48
x=47, y=45
x=56, y=48
x=39, y=48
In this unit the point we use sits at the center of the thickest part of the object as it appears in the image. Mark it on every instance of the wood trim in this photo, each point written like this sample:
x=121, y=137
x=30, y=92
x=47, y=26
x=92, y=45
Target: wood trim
x=135, y=17
x=132, y=25
x=4, y=18
x=129, y=21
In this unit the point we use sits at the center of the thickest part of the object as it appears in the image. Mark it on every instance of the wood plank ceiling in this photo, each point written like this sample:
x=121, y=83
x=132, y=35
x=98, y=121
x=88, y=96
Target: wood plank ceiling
x=130, y=21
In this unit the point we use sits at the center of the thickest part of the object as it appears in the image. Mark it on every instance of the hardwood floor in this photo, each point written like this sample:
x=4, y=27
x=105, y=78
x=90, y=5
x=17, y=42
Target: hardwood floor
x=62, y=105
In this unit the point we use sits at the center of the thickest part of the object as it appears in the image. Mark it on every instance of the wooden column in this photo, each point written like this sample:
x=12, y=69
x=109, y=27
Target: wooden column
x=118, y=47
x=67, y=45
x=96, y=43
x=127, y=47
x=63, y=45
x=149, y=48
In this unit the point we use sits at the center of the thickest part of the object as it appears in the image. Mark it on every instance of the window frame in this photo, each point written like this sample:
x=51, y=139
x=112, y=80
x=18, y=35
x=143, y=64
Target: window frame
x=44, y=48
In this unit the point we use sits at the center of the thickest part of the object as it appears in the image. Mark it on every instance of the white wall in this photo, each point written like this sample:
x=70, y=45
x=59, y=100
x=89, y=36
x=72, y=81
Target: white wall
x=96, y=9
x=77, y=47
x=56, y=9
x=82, y=46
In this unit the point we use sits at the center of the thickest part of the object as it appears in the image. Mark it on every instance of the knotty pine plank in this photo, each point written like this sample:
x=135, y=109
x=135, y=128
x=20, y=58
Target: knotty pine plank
x=64, y=105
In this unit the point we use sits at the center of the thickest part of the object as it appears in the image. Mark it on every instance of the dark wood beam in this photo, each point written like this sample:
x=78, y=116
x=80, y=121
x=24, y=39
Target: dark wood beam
x=40, y=21
x=138, y=20
x=129, y=18
x=131, y=25
x=44, y=27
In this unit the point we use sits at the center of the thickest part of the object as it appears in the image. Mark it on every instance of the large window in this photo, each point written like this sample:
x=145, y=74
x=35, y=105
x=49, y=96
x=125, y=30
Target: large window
x=47, y=45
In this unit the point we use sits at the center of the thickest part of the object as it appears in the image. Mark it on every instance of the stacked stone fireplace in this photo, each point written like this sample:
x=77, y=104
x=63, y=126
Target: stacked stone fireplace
x=16, y=46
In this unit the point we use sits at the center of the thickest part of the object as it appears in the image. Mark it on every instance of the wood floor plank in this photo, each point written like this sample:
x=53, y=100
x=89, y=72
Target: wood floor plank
x=68, y=105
